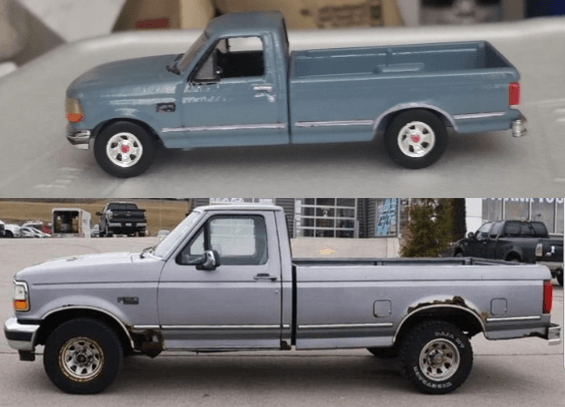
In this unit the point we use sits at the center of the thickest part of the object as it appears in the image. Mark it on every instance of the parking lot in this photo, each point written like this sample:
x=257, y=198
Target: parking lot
x=521, y=372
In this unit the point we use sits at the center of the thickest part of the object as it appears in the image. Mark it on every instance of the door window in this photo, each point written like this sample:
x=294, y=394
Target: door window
x=239, y=240
x=236, y=57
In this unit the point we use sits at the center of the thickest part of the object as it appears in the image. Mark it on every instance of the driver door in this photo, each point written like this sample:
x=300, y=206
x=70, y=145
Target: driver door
x=234, y=97
x=235, y=305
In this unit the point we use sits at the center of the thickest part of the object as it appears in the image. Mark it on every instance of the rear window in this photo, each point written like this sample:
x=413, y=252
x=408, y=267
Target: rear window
x=123, y=207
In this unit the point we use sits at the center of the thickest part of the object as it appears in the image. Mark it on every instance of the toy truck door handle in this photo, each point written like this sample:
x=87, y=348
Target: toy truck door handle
x=263, y=88
x=265, y=276
x=166, y=107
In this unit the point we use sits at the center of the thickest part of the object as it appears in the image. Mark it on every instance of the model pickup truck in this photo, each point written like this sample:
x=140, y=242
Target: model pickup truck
x=224, y=280
x=121, y=218
x=514, y=240
x=238, y=85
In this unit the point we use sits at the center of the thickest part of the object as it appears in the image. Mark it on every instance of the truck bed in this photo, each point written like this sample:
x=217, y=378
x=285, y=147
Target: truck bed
x=460, y=56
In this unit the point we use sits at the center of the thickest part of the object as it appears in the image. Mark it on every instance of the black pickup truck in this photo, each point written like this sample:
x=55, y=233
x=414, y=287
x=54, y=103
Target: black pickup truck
x=514, y=240
x=122, y=218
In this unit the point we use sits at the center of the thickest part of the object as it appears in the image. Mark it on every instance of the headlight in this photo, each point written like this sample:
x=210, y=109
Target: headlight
x=21, y=296
x=73, y=109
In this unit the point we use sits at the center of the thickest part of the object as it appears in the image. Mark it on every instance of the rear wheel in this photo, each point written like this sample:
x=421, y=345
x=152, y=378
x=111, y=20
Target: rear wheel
x=124, y=149
x=82, y=356
x=559, y=276
x=436, y=357
x=416, y=139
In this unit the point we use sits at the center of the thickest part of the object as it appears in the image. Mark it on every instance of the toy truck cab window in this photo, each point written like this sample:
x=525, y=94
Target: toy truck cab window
x=234, y=57
x=194, y=49
x=238, y=240
x=483, y=231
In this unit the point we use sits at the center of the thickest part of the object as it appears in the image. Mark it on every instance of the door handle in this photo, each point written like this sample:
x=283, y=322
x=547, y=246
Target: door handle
x=263, y=88
x=265, y=276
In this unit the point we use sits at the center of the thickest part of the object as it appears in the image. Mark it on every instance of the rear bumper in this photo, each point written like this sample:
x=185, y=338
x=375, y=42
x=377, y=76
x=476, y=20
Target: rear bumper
x=20, y=336
x=519, y=126
x=553, y=334
x=78, y=138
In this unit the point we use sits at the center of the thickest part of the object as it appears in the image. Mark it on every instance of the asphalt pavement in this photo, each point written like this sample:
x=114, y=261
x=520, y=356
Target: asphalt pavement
x=521, y=372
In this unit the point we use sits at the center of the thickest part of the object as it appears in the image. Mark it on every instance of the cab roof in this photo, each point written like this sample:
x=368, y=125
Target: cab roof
x=246, y=23
x=240, y=207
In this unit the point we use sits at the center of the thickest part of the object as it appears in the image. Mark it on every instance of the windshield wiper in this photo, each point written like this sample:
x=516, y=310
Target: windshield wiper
x=174, y=68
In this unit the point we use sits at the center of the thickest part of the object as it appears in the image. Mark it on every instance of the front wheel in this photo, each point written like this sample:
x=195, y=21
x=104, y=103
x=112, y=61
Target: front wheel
x=124, y=149
x=416, y=139
x=82, y=356
x=436, y=357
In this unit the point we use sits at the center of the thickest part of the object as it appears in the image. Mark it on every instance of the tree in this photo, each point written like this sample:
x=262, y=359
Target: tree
x=430, y=229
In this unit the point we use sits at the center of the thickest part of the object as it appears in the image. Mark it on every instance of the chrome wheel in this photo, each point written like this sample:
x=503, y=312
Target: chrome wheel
x=416, y=139
x=81, y=359
x=124, y=149
x=439, y=360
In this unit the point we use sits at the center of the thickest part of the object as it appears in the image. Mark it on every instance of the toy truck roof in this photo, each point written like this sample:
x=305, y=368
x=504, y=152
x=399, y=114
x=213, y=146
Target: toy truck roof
x=247, y=23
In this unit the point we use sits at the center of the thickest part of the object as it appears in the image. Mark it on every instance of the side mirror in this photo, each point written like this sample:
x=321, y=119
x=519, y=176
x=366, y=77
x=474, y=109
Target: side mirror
x=471, y=235
x=99, y=213
x=210, y=260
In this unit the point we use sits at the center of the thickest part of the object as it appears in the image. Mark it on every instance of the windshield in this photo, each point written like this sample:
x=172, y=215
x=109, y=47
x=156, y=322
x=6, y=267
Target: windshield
x=172, y=239
x=187, y=58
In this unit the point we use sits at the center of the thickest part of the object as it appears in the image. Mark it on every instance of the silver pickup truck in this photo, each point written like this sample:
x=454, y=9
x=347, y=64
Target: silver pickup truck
x=224, y=279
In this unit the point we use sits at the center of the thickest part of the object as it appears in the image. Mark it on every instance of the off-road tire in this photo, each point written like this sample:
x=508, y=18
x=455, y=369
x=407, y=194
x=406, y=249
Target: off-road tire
x=444, y=338
x=126, y=128
x=393, y=135
x=102, y=339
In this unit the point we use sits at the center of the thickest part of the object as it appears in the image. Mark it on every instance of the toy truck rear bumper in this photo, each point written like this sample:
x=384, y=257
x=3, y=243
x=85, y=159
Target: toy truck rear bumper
x=519, y=126
x=78, y=138
x=20, y=336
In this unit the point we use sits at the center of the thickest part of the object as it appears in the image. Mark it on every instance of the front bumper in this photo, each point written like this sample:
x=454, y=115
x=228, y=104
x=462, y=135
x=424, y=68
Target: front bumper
x=20, y=336
x=78, y=138
x=519, y=126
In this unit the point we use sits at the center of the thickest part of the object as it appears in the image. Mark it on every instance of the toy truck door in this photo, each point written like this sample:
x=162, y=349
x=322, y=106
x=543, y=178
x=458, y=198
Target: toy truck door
x=234, y=97
x=235, y=305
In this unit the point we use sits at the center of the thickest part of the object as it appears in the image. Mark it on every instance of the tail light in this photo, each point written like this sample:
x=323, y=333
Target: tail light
x=539, y=250
x=514, y=94
x=547, y=296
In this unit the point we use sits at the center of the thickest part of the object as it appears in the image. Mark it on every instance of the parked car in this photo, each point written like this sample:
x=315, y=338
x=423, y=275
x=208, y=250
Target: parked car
x=12, y=230
x=550, y=253
x=224, y=280
x=511, y=240
x=238, y=85
x=122, y=218
x=28, y=231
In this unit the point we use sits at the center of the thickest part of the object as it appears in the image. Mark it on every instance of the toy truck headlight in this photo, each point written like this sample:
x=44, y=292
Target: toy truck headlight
x=73, y=110
x=21, y=296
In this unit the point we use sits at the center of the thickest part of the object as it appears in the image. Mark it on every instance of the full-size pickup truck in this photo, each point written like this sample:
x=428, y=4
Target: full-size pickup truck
x=224, y=280
x=122, y=218
x=514, y=240
x=238, y=85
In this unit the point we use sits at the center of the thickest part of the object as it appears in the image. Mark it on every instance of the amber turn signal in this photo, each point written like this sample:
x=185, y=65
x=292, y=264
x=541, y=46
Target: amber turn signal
x=21, y=305
x=73, y=110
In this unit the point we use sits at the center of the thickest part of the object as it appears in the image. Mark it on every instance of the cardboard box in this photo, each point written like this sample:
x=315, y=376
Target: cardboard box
x=300, y=14
x=151, y=14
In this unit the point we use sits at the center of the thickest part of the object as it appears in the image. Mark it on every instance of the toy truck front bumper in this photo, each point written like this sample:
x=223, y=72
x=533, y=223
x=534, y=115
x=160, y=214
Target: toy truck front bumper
x=21, y=337
x=78, y=138
x=519, y=126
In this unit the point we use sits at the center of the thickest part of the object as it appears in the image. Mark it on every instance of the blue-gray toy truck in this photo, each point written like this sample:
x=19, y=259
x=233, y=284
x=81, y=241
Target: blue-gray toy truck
x=238, y=85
